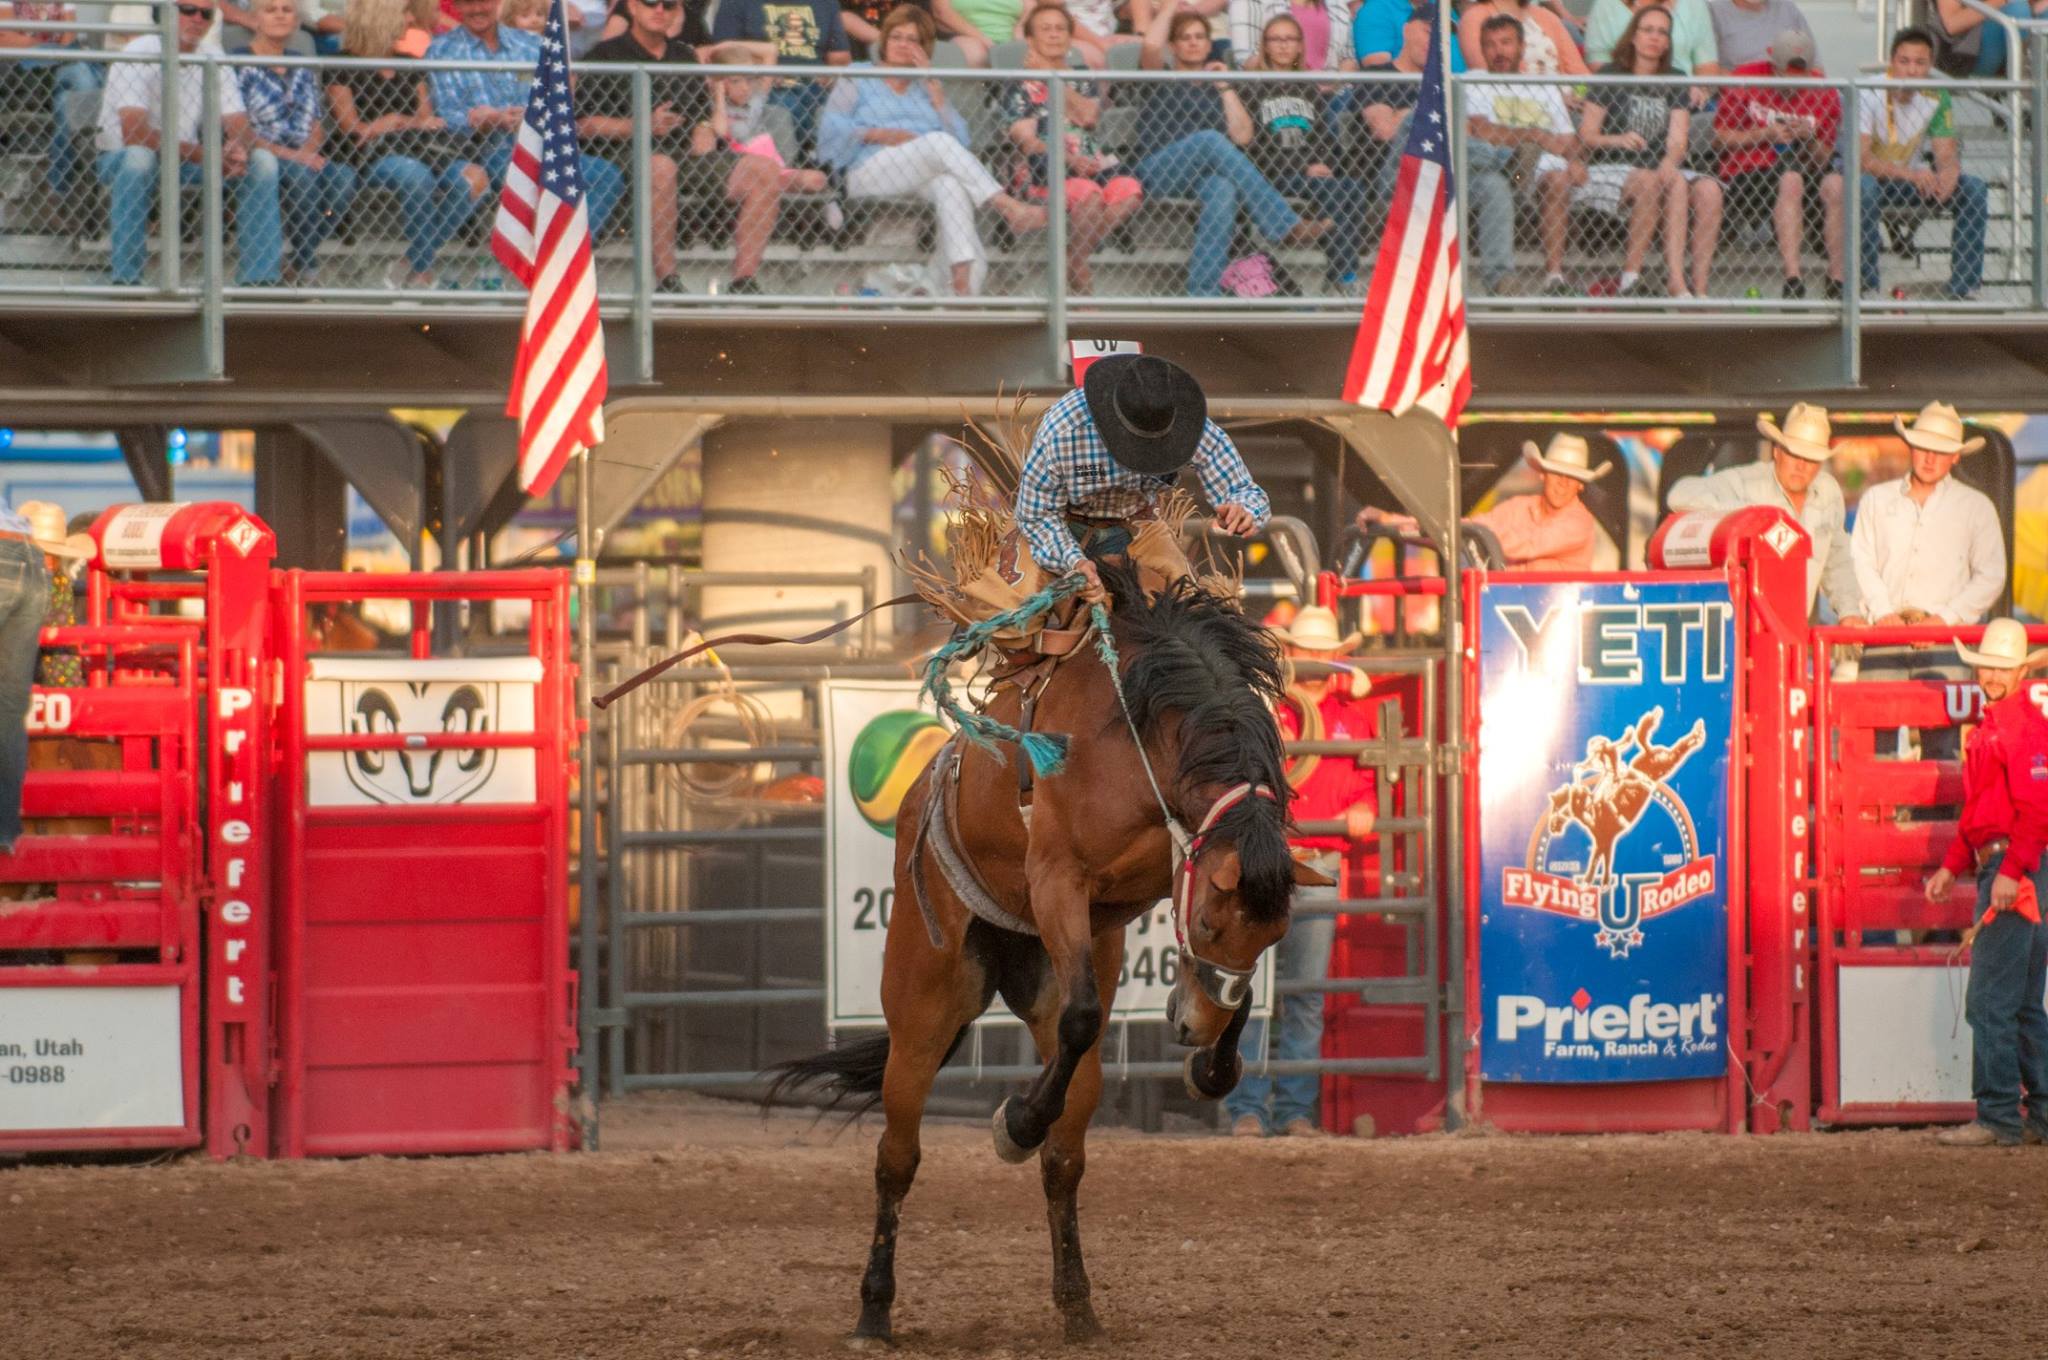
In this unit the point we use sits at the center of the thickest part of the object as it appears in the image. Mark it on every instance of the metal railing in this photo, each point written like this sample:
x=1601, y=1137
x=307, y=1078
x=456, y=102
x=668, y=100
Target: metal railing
x=1184, y=222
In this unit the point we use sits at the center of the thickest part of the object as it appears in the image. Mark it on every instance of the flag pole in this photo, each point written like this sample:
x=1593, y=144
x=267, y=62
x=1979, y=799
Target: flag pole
x=586, y=798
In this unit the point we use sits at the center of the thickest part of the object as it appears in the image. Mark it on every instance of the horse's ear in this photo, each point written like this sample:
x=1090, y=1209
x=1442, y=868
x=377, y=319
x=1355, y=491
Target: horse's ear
x=1227, y=871
x=1307, y=877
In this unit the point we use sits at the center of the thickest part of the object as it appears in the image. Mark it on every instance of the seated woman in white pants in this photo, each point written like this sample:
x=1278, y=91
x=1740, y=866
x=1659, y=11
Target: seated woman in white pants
x=896, y=137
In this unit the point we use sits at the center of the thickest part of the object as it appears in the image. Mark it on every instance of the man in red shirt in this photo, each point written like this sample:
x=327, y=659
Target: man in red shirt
x=2000, y=835
x=1775, y=145
x=1327, y=707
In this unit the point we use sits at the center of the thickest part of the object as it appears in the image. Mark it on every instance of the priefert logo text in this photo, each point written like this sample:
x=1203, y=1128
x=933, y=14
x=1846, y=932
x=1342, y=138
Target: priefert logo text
x=1642, y=1020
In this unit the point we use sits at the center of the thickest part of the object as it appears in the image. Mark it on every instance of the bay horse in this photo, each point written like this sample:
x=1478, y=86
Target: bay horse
x=1200, y=679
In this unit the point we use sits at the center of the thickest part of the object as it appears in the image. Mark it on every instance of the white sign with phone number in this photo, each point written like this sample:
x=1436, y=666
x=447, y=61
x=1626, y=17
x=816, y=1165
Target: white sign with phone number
x=90, y=1058
x=860, y=890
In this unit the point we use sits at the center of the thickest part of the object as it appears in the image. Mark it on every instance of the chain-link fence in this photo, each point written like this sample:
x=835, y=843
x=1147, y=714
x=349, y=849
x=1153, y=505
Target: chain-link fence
x=319, y=177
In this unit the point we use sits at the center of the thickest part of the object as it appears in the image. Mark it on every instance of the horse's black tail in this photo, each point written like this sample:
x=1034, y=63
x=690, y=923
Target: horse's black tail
x=842, y=1073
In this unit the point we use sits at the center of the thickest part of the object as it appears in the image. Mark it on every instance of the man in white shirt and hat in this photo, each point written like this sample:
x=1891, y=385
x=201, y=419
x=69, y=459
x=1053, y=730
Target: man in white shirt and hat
x=1796, y=481
x=1927, y=549
x=1550, y=530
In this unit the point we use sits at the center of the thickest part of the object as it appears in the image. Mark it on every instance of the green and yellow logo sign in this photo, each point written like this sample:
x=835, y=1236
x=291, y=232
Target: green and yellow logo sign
x=886, y=759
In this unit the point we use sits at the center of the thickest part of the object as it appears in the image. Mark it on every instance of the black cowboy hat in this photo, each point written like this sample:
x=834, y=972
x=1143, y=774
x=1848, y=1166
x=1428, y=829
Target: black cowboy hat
x=1149, y=412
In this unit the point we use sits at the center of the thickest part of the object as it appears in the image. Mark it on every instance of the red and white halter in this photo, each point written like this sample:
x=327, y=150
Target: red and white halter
x=1186, y=848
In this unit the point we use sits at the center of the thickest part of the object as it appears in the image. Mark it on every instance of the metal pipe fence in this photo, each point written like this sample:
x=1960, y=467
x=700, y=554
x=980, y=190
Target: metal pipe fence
x=1567, y=191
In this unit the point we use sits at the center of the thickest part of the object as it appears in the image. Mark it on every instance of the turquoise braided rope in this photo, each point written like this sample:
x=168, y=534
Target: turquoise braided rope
x=1046, y=751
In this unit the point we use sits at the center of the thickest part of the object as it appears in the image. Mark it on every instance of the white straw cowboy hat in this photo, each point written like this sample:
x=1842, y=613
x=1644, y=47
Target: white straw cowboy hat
x=1567, y=456
x=2005, y=647
x=46, y=524
x=1315, y=630
x=1807, y=433
x=1938, y=429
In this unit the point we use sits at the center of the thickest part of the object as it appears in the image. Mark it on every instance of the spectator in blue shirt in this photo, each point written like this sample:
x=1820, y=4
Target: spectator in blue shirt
x=285, y=111
x=1376, y=33
x=489, y=105
x=805, y=33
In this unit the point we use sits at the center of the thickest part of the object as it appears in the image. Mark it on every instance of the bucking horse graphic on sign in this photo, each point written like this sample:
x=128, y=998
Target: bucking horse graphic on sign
x=1607, y=797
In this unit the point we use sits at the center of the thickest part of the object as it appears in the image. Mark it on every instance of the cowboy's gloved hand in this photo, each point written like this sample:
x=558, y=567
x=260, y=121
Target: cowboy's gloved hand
x=1093, y=592
x=1235, y=519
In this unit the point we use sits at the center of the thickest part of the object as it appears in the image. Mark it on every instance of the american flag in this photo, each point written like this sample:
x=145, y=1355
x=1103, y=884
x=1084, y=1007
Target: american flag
x=542, y=237
x=1411, y=348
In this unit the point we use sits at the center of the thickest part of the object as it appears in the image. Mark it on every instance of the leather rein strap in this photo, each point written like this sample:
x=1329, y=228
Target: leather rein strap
x=621, y=690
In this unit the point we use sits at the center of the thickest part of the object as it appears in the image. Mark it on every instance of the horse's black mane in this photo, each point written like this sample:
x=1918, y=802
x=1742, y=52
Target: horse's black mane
x=1203, y=664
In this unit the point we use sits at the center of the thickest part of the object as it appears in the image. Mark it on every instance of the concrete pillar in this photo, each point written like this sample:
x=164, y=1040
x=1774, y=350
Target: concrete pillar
x=795, y=496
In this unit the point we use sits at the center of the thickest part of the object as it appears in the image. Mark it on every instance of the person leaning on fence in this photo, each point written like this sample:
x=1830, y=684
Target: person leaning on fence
x=1295, y=147
x=1637, y=139
x=131, y=130
x=1775, y=147
x=1106, y=455
x=1101, y=192
x=1927, y=548
x=1519, y=144
x=483, y=109
x=1911, y=165
x=1321, y=707
x=66, y=79
x=288, y=117
x=1999, y=836
x=386, y=128
x=686, y=156
x=1793, y=479
x=1191, y=136
x=898, y=137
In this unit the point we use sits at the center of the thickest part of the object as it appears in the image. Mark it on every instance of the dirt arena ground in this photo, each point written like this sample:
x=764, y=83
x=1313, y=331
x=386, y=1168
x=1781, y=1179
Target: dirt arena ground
x=703, y=1232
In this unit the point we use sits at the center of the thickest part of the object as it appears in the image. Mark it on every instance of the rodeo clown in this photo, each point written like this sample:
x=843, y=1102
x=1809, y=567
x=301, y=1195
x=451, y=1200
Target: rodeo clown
x=2000, y=835
x=1107, y=454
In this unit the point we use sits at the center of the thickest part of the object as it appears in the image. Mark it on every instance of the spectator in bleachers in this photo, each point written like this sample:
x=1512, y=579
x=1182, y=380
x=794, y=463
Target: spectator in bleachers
x=483, y=109
x=1101, y=192
x=1775, y=147
x=1325, y=32
x=1746, y=31
x=1551, y=530
x=1911, y=165
x=862, y=20
x=288, y=117
x=1971, y=45
x=528, y=16
x=1636, y=140
x=894, y=137
x=1191, y=139
x=130, y=132
x=806, y=34
x=67, y=78
x=1694, y=51
x=1378, y=29
x=424, y=19
x=1548, y=47
x=1999, y=837
x=1927, y=548
x=386, y=128
x=1296, y=149
x=686, y=156
x=322, y=27
x=1796, y=481
x=989, y=21
x=1323, y=706
x=739, y=116
x=1517, y=135
x=1385, y=106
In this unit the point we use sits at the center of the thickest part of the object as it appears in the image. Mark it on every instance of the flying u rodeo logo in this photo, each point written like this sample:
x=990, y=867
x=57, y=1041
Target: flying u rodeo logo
x=1572, y=861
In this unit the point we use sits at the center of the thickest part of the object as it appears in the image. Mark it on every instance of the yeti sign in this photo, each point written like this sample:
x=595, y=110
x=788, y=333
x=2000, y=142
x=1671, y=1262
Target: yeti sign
x=1603, y=879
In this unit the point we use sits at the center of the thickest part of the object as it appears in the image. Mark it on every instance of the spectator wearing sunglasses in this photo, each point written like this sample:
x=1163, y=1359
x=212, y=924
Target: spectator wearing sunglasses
x=686, y=155
x=131, y=131
x=483, y=109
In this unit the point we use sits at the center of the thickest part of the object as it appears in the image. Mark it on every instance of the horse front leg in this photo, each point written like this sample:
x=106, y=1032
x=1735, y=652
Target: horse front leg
x=1059, y=904
x=1213, y=1073
x=1064, y=1158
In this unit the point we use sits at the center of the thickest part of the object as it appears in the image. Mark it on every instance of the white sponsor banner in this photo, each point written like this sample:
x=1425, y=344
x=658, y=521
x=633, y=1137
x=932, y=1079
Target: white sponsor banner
x=876, y=741
x=380, y=696
x=134, y=538
x=90, y=1058
x=1083, y=353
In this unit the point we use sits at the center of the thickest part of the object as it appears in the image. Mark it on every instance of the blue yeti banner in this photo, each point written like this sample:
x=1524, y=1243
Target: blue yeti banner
x=1604, y=721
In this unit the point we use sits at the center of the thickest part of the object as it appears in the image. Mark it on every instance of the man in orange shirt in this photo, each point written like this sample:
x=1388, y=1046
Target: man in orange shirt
x=2000, y=836
x=1326, y=707
x=1549, y=531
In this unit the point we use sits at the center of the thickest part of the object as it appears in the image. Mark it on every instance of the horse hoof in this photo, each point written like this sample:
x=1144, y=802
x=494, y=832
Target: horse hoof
x=1206, y=1079
x=1082, y=1328
x=1007, y=1148
x=863, y=1341
x=1187, y=1076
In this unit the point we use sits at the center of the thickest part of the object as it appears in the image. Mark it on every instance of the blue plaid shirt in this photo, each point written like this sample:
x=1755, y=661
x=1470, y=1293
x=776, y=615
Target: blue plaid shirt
x=281, y=104
x=457, y=92
x=1069, y=471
